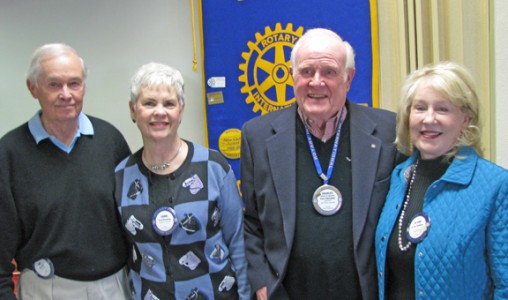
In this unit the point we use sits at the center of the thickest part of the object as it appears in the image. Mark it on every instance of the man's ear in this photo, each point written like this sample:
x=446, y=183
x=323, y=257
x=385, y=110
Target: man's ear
x=32, y=87
x=350, y=76
x=132, y=110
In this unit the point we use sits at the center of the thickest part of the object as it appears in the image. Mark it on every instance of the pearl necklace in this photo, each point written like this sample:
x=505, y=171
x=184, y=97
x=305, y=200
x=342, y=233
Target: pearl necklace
x=166, y=164
x=403, y=212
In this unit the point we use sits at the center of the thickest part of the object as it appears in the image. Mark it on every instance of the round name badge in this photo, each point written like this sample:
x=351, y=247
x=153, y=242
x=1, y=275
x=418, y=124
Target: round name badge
x=164, y=221
x=418, y=227
x=44, y=268
x=327, y=200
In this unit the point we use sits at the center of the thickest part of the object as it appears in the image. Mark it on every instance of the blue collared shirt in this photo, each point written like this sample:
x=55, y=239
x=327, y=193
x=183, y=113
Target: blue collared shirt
x=39, y=133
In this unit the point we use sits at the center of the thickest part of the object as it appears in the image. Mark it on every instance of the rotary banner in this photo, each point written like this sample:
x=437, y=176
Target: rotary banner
x=246, y=50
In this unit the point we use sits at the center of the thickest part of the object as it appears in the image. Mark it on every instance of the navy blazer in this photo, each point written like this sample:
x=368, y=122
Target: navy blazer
x=268, y=184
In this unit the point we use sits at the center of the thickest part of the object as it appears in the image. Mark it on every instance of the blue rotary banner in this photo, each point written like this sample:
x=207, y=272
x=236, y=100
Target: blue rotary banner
x=246, y=50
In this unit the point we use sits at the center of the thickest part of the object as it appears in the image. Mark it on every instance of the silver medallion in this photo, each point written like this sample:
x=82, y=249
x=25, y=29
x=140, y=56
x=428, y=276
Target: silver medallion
x=44, y=268
x=327, y=200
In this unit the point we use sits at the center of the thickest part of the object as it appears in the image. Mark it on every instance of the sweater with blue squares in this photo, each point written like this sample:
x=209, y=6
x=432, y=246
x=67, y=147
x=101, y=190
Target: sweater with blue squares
x=203, y=256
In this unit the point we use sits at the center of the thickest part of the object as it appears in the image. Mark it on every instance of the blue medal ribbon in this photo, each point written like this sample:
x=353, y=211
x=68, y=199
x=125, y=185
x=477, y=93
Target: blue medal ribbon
x=333, y=156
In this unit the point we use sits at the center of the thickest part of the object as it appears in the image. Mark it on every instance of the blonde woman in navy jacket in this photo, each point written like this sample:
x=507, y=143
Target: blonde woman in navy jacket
x=443, y=233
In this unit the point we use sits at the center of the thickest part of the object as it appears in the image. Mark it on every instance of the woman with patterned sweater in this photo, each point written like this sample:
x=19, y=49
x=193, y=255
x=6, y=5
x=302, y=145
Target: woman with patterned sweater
x=178, y=202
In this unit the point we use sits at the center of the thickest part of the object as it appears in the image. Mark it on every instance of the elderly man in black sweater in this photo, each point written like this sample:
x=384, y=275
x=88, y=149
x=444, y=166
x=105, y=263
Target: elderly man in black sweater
x=57, y=214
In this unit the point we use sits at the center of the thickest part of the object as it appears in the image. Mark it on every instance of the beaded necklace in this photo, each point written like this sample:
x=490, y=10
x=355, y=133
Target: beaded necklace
x=403, y=212
x=166, y=164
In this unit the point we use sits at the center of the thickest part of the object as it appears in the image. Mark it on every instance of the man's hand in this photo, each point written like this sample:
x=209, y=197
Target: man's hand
x=262, y=293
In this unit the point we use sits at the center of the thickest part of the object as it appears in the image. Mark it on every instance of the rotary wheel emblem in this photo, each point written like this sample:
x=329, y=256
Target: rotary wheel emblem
x=266, y=78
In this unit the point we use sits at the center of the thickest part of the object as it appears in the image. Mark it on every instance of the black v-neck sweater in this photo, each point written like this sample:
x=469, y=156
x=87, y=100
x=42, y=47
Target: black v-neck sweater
x=321, y=265
x=60, y=206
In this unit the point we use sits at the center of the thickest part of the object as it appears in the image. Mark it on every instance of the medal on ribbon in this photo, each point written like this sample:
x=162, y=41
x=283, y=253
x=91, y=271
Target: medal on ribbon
x=327, y=199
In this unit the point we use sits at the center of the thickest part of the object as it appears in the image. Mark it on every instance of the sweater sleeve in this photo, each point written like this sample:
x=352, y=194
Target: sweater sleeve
x=9, y=224
x=232, y=228
x=259, y=272
x=497, y=246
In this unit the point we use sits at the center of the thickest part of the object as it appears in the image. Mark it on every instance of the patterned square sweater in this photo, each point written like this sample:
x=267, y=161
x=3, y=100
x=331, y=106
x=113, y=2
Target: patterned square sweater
x=204, y=257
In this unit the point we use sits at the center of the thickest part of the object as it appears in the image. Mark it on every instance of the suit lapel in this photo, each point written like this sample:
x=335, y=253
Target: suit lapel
x=365, y=150
x=282, y=159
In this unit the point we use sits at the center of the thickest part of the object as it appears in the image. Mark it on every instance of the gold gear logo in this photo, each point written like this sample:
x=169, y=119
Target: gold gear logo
x=266, y=69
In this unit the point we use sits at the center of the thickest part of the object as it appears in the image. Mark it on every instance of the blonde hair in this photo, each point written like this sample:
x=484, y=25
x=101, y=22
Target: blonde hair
x=456, y=84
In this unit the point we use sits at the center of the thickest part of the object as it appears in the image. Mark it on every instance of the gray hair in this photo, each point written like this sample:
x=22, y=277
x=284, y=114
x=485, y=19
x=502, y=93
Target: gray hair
x=156, y=74
x=317, y=32
x=51, y=50
x=456, y=84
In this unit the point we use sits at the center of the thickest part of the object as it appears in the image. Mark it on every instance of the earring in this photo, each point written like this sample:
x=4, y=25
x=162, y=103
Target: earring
x=133, y=121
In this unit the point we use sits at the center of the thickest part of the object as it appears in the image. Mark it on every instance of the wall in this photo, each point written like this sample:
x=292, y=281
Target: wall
x=114, y=38
x=413, y=33
x=501, y=80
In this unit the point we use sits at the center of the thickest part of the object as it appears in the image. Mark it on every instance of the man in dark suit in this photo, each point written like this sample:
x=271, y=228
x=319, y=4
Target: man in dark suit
x=314, y=179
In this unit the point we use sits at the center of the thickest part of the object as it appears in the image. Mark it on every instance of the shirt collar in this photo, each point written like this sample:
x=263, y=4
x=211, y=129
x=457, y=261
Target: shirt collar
x=85, y=127
x=330, y=125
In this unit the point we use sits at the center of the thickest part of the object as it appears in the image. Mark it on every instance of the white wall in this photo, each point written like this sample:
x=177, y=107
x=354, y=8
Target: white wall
x=501, y=90
x=114, y=37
